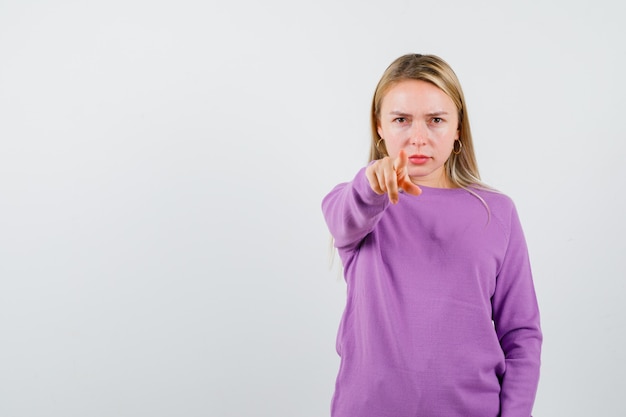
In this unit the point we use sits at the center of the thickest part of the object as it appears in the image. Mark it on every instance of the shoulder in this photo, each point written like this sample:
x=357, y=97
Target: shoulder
x=497, y=199
x=500, y=205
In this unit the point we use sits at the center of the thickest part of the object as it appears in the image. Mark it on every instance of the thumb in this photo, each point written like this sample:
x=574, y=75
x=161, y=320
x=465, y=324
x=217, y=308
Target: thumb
x=410, y=188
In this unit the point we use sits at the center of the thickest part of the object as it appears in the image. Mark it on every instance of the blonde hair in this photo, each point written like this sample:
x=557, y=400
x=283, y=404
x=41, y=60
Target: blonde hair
x=461, y=168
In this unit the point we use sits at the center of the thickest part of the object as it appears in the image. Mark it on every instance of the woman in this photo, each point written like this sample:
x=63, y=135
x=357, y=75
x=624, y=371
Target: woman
x=441, y=317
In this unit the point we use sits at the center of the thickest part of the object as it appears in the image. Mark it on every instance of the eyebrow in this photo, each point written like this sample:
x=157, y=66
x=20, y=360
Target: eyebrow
x=431, y=114
x=399, y=113
x=437, y=113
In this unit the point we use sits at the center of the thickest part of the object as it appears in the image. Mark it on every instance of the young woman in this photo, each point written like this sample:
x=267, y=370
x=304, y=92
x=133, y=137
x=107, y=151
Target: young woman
x=441, y=317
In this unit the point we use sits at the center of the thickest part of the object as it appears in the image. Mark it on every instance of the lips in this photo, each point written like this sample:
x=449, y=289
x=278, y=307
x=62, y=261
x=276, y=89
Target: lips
x=418, y=159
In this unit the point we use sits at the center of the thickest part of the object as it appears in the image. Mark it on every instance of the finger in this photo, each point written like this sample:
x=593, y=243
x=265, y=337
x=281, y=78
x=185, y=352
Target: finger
x=410, y=187
x=401, y=161
x=405, y=183
x=375, y=177
x=391, y=183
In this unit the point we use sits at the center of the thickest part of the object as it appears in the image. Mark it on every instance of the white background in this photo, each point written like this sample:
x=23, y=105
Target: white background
x=162, y=165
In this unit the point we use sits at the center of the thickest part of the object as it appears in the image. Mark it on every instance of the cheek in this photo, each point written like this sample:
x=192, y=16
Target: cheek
x=393, y=146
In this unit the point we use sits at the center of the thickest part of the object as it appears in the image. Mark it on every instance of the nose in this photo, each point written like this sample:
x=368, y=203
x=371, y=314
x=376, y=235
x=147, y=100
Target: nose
x=419, y=133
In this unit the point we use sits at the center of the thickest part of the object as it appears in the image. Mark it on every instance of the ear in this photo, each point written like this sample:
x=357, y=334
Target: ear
x=380, y=131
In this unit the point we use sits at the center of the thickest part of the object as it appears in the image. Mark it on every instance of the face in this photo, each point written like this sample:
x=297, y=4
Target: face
x=420, y=118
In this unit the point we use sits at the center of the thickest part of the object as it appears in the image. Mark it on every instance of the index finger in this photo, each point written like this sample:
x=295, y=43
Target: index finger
x=401, y=161
x=391, y=182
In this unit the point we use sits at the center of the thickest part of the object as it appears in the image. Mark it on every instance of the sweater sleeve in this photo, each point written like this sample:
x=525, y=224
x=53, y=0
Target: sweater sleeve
x=351, y=211
x=516, y=318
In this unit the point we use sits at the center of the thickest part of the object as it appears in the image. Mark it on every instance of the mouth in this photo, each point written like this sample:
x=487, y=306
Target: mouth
x=418, y=159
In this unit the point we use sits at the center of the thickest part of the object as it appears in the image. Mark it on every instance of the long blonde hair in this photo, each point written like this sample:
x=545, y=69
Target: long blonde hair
x=461, y=168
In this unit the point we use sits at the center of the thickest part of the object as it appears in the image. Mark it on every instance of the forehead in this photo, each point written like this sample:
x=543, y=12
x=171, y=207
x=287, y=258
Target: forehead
x=416, y=94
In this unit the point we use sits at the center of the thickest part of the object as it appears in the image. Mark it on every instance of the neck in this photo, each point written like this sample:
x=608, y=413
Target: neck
x=435, y=180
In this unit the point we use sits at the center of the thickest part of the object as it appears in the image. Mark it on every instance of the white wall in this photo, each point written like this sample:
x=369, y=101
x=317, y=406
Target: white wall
x=162, y=165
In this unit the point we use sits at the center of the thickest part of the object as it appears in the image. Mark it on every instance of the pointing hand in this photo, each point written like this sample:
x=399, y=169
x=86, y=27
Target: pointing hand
x=388, y=176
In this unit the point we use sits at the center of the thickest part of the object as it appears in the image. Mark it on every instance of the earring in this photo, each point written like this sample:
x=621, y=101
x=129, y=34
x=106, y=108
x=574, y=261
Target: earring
x=457, y=150
x=378, y=144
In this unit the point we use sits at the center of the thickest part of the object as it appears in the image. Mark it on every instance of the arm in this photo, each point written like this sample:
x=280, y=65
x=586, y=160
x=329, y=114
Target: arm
x=352, y=209
x=516, y=317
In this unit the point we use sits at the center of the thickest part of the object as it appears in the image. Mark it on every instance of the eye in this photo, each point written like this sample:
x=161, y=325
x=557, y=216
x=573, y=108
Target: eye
x=400, y=120
x=437, y=120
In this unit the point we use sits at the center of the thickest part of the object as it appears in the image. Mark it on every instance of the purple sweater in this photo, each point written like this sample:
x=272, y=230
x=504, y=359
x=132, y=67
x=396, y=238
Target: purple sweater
x=441, y=316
